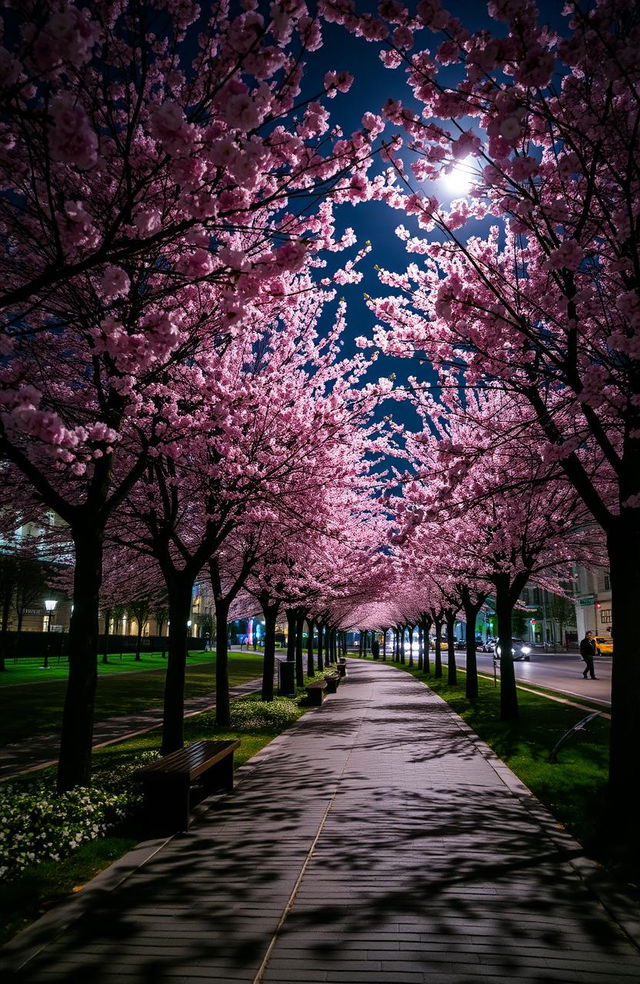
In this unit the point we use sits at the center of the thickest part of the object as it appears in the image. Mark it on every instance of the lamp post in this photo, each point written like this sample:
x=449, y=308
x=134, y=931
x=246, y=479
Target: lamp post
x=50, y=605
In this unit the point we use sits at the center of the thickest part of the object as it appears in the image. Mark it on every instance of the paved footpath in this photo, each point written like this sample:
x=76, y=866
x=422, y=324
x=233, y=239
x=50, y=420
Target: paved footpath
x=374, y=841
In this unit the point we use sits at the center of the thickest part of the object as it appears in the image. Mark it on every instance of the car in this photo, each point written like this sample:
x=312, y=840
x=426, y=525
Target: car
x=519, y=650
x=604, y=645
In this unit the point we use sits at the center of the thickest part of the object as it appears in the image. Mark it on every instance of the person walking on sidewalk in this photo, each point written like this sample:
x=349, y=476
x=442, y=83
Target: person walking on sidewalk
x=588, y=652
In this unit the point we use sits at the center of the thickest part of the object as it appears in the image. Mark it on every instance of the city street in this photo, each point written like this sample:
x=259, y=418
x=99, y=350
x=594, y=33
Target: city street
x=556, y=671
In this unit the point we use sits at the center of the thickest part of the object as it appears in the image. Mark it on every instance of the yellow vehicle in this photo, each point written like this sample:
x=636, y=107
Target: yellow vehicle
x=604, y=646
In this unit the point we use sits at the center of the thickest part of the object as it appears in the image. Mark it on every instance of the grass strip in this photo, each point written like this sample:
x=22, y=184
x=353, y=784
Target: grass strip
x=27, y=670
x=26, y=711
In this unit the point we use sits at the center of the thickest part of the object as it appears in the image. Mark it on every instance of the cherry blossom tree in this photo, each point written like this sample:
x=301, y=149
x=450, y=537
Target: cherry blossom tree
x=266, y=435
x=500, y=516
x=542, y=126
x=162, y=171
x=140, y=129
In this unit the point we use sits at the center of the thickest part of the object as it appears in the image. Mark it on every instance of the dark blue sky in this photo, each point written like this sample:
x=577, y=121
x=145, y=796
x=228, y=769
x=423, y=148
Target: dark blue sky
x=373, y=85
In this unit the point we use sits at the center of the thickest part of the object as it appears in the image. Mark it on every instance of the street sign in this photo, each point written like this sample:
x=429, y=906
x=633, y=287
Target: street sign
x=587, y=600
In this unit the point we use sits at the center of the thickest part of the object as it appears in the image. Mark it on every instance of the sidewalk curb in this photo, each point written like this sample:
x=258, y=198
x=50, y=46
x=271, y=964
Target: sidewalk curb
x=28, y=942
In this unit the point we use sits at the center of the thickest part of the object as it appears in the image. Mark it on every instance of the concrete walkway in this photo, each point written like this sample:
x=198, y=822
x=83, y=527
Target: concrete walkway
x=374, y=841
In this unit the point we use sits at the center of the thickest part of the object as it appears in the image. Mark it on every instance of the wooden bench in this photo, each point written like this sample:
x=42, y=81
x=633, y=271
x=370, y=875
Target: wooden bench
x=166, y=782
x=315, y=691
x=333, y=682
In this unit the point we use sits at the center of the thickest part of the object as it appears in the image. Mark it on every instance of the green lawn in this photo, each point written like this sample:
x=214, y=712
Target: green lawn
x=28, y=710
x=27, y=670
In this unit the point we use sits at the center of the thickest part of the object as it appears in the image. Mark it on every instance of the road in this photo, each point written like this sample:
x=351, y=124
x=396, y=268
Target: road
x=556, y=671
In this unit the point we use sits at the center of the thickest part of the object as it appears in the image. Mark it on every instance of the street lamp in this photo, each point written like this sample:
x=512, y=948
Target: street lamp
x=50, y=605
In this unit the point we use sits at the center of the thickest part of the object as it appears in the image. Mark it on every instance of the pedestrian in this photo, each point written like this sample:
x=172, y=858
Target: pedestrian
x=588, y=651
x=375, y=648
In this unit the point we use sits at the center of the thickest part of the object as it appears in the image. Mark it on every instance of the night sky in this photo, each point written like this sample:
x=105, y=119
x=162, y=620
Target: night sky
x=373, y=85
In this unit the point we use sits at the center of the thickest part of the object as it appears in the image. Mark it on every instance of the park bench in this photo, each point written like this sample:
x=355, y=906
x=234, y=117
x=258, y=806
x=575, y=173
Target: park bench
x=333, y=681
x=315, y=691
x=166, y=782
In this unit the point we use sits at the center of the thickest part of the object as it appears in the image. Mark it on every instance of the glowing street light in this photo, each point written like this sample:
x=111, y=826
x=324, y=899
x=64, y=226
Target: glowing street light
x=50, y=605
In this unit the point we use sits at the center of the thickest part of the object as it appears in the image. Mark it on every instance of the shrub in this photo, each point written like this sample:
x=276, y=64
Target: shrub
x=256, y=715
x=38, y=825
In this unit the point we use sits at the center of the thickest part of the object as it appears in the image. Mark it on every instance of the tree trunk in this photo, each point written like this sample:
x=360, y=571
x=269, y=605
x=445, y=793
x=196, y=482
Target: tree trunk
x=410, y=631
x=438, y=653
x=320, y=647
x=471, y=613
x=139, y=642
x=504, y=611
x=299, y=653
x=623, y=542
x=74, y=764
x=452, y=673
x=223, y=704
x=179, y=592
x=420, y=646
x=4, y=634
x=427, y=622
x=291, y=635
x=270, y=616
x=310, y=667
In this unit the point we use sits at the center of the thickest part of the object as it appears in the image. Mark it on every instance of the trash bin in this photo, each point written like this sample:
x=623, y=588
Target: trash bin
x=287, y=678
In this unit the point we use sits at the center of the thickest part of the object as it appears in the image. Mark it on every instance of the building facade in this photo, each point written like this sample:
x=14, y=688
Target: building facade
x=593, y=601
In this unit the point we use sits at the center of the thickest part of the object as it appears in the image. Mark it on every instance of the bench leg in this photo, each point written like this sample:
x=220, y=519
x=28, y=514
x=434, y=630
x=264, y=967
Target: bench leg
x=166, y=804
x=219, y=776
x=315, y=696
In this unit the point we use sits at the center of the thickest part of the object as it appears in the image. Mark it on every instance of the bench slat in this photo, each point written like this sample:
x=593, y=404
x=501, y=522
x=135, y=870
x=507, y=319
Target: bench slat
x=193, y=760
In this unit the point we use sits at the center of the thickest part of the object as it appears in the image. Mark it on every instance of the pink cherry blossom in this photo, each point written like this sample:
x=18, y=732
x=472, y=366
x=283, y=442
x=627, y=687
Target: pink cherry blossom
x=71, y=138
x=114, y=283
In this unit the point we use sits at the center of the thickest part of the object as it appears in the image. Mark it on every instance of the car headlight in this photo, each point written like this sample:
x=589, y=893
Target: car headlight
x=526, y=650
